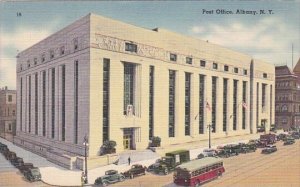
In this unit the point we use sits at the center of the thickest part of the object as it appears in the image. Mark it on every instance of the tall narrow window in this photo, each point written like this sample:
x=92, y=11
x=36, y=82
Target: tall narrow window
x=63, y=102
x=76, y=102
x=21, y=105
x=235, y=89
x=271, y=104
x=29, y=103
x=187, y=103
x=129, y=74
x=172, y=81
x=44, y=102
x=257, y=103
x=263, y=97
x=244, y=104
x=151, y=100
x=36, y=109
x=53, y=103
x=106, y=88
x=201, y=103
x=214, y=103
x=225, y=87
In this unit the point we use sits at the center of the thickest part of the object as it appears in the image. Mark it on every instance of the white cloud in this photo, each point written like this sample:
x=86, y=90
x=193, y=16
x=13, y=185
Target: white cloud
x=269, y=39
x=17, y=40
x=197, y=29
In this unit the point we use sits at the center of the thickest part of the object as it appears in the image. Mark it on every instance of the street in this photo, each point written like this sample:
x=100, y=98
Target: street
x=281, y=168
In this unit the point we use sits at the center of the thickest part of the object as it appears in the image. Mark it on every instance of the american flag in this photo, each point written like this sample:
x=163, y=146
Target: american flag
x=245, y=105
x=208, y=106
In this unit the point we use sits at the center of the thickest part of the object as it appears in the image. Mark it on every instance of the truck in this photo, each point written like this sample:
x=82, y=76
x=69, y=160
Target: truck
x=171, y=160
x=266, y=139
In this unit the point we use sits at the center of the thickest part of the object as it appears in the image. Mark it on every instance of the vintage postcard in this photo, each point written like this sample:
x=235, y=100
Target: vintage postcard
x=150, y=93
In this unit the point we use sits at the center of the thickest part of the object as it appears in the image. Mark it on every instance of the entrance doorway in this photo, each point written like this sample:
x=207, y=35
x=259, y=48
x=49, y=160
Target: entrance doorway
x=128, y=139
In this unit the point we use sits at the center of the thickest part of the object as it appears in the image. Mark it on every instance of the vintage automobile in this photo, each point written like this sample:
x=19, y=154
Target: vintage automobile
x=10, y=155
x=17, y=162
x=281, y=136
x=207, y=153
x=135, y=170
x=296, y=135
x=3, y=148
x=225, y=153
x=25, y=167
x=110, y=177
x=269, y=149
x=289, y=141
x=153, y=166
x=32, y=174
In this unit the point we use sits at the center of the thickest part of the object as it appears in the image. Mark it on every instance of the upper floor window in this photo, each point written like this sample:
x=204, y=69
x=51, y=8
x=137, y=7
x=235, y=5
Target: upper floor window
x=215, y=66
x=43, y=58
x=62, y=50
x=245, y=72
x=75, y=43
x=28, y=63
x=21, y=67
x=202, y=63
x=265, y=75
x=284, y=108
x=236, y=70
x=226, y=68
x=51, y=54
x=188, y=60
x=130, y=47
x=173, y=57
x=35, y=61
x=9, y=98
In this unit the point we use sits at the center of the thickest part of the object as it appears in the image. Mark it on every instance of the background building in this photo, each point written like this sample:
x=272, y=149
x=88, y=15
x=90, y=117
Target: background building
x=114, y=81
x=8, y=113
x=287, y=97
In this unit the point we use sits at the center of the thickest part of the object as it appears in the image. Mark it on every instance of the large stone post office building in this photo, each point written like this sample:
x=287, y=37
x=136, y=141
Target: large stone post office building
x=114, y=81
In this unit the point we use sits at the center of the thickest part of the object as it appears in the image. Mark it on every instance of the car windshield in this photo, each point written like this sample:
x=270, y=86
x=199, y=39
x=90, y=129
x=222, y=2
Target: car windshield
x=208, y=150
x=111, y=172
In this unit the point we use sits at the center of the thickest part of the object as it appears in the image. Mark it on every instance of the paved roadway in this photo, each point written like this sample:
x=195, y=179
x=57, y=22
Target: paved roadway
x=10, y=176
x=279, y=169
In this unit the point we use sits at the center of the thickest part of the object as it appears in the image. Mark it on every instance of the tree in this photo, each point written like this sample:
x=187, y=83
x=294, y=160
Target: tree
x=108, y=147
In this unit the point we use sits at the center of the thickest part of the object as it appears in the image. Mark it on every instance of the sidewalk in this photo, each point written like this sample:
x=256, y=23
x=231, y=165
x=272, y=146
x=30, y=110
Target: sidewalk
x=55, y=175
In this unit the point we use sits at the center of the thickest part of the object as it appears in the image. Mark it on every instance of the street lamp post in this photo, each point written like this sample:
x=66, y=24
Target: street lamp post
x=209, y=135
x=86, y=144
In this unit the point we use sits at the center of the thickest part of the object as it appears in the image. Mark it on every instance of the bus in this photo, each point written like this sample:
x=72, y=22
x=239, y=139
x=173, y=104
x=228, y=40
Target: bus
x=196, y=172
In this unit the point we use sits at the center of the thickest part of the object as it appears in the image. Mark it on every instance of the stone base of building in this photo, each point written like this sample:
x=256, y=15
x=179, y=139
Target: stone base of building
x=57, y=155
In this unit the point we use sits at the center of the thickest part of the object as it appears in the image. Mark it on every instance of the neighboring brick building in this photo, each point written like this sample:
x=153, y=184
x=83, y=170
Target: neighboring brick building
x=287, y=99
x=8, y=113
x=115, y=81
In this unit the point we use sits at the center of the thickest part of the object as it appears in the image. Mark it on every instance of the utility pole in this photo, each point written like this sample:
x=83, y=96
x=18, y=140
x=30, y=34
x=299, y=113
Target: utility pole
x=86, y=144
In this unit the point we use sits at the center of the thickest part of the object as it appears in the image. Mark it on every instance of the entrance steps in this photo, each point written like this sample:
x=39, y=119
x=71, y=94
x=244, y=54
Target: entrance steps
x=136, y=156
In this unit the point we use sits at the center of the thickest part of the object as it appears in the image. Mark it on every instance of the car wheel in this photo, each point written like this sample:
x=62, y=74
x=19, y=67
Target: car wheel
x=104, y=184
x=197, y=184
x=121, y=178
x=131, y=176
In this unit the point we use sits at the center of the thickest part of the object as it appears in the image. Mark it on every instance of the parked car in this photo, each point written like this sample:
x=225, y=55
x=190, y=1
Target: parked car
x=110, y=177
x=269, y=149
x=135, y=170
x=33, y=174
x=207, y=153
x=281, y=137
x=296, y=135
x=10, y=155
x=289, y=141
x=153, y=166
x=25, y=167
x=225, y=153
x=17, y=162
x=3, y=148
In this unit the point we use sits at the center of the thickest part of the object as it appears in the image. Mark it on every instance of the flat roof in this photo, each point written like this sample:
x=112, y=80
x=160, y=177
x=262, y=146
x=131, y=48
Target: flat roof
x=199, y=163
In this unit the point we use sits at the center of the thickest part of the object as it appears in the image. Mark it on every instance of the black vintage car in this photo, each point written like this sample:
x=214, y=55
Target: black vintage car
x=269, y=149
x=110, y=177
x=25, y=167
x=33, y=174
x=289, y=141
x=135, y=170
x=17, y=162
x=225, y=153
x=3, y=147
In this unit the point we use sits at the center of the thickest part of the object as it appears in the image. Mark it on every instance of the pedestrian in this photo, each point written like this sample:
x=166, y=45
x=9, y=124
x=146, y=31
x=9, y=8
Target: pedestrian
x=129, y=160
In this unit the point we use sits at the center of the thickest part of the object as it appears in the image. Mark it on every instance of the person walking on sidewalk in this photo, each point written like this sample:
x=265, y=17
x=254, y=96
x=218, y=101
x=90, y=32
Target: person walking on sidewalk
x=82, y=178
x=129, y=160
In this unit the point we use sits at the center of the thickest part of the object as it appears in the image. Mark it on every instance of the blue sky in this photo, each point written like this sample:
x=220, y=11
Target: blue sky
x=267, y=36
